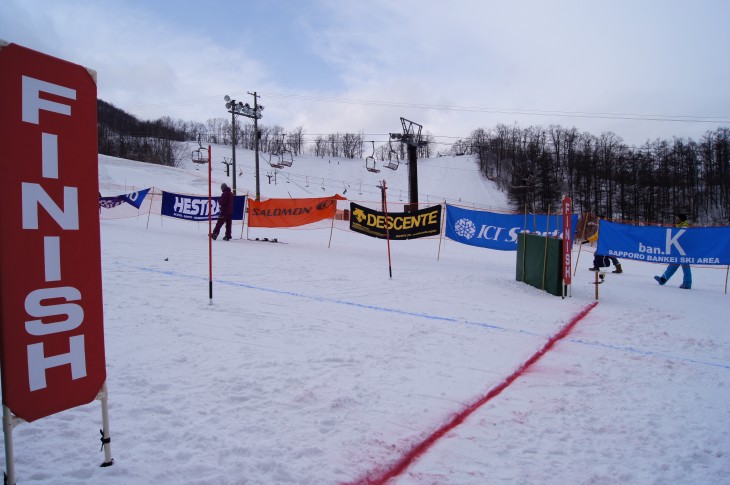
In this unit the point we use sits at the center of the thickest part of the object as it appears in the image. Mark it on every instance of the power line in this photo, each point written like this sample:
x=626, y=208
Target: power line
x=457, y=108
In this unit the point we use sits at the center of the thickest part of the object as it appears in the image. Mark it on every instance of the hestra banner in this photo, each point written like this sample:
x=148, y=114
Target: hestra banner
x=400, y=225
x=51, y=312
x=195, y=207
x=291, y=212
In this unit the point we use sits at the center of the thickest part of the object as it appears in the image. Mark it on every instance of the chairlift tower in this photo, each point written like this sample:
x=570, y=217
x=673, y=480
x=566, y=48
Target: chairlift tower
x=411, y=136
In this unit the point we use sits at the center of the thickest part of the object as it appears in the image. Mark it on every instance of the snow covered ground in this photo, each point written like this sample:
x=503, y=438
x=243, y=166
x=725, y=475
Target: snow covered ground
x=311, y=366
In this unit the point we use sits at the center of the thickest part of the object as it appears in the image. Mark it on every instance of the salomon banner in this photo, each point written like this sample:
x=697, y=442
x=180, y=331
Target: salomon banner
x=669, y=245
x=400, y=225
x=291, y=212
x=195, y=208
x=51, y=309
x=499, y=231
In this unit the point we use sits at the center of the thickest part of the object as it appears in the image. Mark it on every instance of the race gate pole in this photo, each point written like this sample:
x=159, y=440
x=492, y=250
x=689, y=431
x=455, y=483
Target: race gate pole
x=210, y=232
x=387, y=232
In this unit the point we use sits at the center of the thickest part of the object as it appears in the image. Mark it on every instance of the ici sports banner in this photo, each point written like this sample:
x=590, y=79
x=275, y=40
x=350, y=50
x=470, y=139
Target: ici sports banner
x=499, y=231
x=51, y=310
x=400, y=225
x=195, y=208
x=668, y=245
x=291, y=212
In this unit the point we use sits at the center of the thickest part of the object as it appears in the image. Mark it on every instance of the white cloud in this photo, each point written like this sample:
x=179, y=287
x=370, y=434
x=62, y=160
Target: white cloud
x=645, y=58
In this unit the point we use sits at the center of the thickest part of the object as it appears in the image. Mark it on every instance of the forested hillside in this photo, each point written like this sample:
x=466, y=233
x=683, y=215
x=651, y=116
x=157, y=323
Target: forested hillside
x=534, y=166
x=603, y=175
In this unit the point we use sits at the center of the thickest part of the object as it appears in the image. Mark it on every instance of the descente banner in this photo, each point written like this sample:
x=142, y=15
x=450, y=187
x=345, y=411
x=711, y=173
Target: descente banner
x=400, y=225
x=195, y=208
x=291, y=212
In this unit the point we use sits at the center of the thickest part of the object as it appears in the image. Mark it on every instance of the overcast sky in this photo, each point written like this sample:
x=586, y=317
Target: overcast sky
x=641, y=69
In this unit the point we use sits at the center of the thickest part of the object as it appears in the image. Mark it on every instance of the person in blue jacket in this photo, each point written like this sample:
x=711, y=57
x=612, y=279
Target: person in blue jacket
x=680, y=221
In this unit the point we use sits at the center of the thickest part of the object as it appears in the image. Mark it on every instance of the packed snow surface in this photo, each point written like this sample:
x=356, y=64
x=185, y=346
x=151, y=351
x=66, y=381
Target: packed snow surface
x=311, y=365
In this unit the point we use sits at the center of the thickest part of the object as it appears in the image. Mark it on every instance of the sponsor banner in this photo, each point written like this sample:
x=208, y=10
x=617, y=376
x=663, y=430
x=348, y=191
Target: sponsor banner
x=51, y=310
x=133, y=198
x=400, y=225
x=290, y=212
x=669, y=245
x=195, y=208
x=499, y=231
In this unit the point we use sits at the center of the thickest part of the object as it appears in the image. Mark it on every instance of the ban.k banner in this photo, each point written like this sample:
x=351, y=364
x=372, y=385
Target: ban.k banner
x=291, y=212
x=133, y=198
x=400, y=225
x=670, y=245
x=499, y=231
x=195, y=208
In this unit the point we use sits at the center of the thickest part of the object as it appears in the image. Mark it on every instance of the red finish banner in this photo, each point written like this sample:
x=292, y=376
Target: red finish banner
x=567, y=242
x=291, y=212
x=51, y=312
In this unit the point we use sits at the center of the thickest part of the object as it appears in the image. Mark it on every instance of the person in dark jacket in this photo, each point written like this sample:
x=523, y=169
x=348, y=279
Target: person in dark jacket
x=225, y=204
x=680, y=220
x=601, y=260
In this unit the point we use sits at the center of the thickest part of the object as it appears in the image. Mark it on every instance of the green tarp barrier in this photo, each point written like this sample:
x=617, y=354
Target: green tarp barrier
x=539, y=266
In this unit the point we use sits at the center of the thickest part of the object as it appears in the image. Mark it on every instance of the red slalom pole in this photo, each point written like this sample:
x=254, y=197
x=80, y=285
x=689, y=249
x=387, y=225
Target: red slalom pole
x=210, y=231
x=387, y=232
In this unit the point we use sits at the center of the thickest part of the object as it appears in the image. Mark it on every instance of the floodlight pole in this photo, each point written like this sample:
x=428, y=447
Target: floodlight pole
x=256, y=144
x=255, y=113
x=233, y=145
x=231, y=104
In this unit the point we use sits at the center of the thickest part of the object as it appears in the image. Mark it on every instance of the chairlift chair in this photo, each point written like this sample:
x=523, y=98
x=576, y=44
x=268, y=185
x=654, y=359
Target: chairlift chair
x=286, y=157
x=370, y=161
x=198, y=156
x=286, y=161
x=274, y=160
x=392, y=164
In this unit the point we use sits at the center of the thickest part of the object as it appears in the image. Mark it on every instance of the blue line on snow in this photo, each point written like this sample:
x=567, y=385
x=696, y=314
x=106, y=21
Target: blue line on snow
x=632, y=350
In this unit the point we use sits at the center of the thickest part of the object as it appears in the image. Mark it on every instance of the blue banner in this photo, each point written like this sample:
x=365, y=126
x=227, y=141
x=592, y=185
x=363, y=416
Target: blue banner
x=670, y=245
x=195, y=208
x=133, y=198
x=499, y=231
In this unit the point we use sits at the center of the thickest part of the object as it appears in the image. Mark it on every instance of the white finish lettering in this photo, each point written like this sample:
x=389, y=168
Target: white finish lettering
x=34, y=307
x=38, y=363
x=52, y=257
x=34, y=195
x=49, y=155
x=33, y=104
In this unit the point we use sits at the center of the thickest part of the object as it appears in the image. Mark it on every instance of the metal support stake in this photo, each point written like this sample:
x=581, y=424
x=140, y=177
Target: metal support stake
x=9, y=423
x=105, y=438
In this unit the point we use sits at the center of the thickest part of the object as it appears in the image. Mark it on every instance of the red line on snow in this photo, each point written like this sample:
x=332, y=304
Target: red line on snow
x=380, y=477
